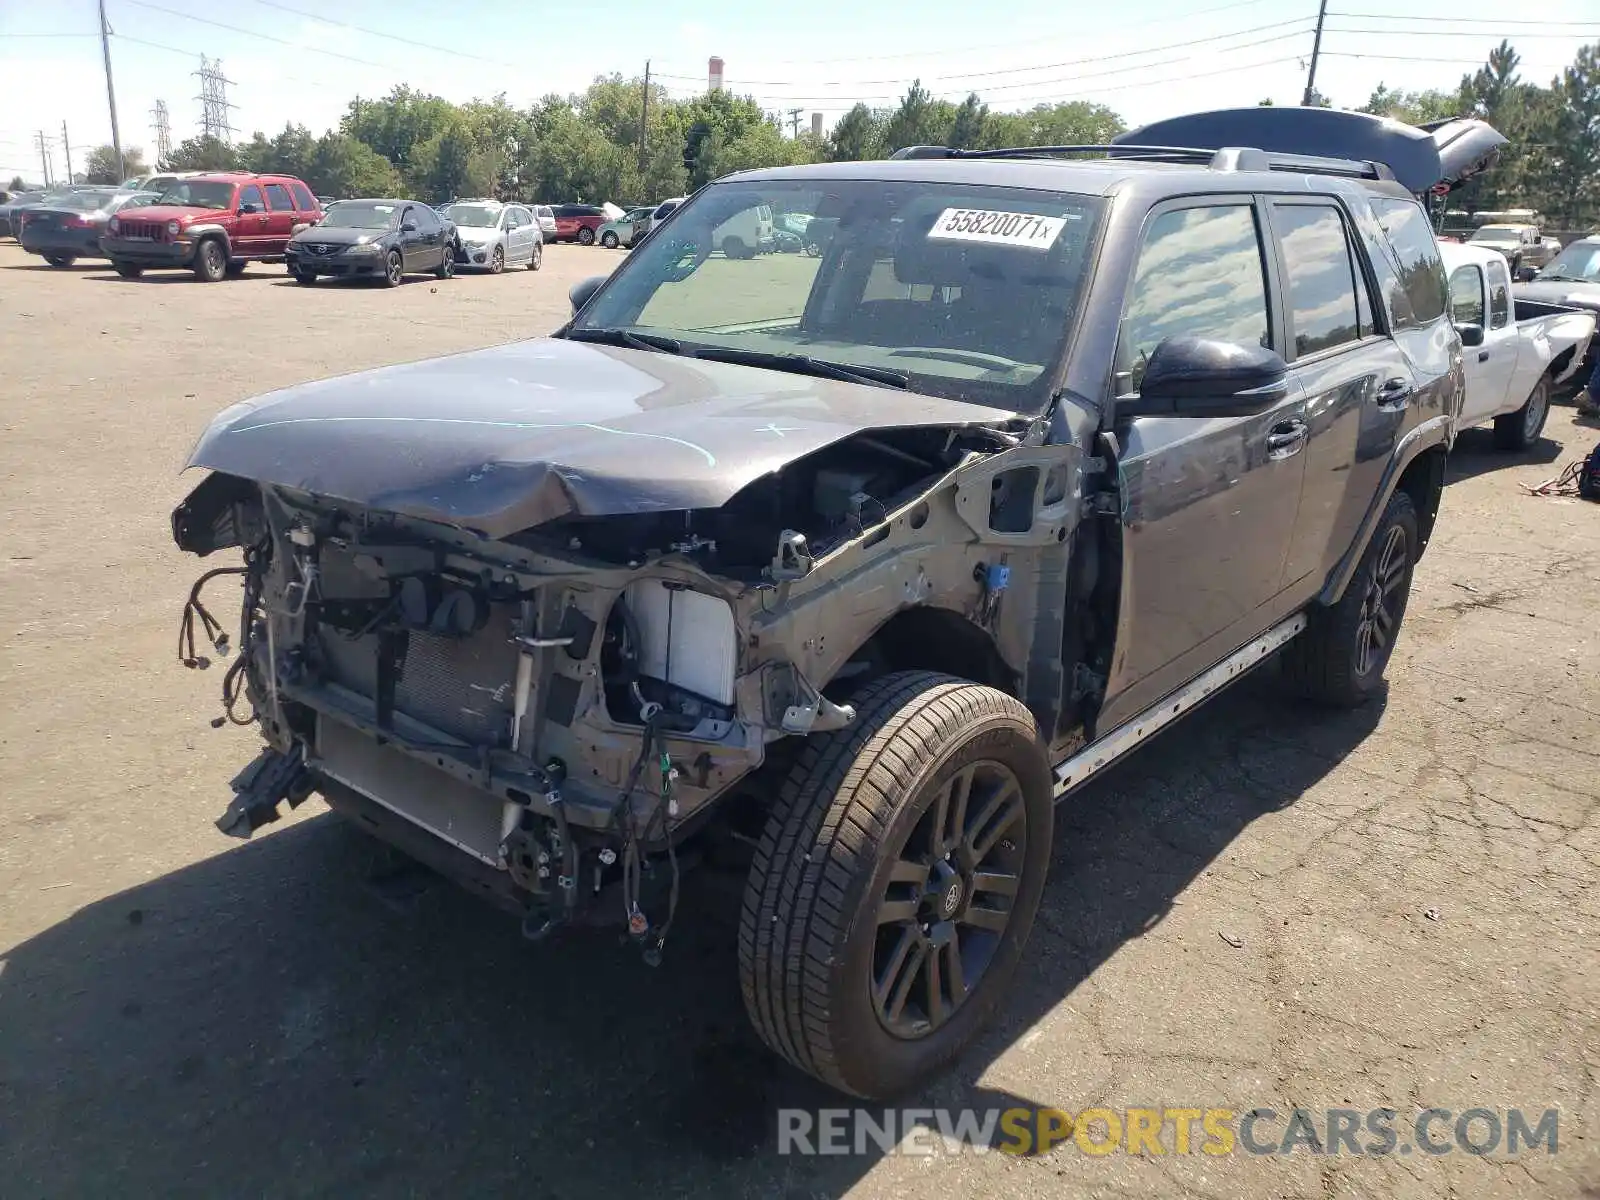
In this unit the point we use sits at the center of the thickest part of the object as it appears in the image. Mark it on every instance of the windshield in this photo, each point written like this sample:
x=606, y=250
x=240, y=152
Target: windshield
x=1581, y=260
x=349, y=215
x=970, y=291
x=1497, y=233
x=86, y=201
x=198, y=194
x=476, y=216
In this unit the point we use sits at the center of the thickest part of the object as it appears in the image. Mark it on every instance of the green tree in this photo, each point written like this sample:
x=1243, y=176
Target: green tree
x=1570, y=160
x=202, y=154
x=102, y=165
x=857, y=136
x=398, y=123
x=451, y=164
x=969, y=124
x=916, y=122
x=342, y=167
x=1412, y=108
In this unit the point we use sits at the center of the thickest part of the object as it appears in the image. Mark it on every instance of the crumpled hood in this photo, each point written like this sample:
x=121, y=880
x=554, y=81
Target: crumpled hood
x=500, y=440
x=1558, y=291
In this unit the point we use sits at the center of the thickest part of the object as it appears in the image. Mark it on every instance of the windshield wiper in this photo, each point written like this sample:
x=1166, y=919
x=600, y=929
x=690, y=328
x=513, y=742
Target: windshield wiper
x=1561, y=279
x=802, y=364
x=626, y=337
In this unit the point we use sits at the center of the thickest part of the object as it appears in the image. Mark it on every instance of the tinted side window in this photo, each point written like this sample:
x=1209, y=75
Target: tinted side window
x=252, y=195
x=278, y=196
x=1321, y=279
x=427, y=219
x=303, y=199
x=1421, y=298
x=1199, y=275
x=1499, y=296
x=1466, y=296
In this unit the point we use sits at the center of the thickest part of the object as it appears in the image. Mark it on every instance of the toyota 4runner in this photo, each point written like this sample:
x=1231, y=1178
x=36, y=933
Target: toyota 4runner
x=858, y=561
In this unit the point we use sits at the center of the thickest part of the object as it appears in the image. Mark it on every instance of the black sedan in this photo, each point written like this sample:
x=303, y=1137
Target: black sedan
x=66, y=228
x=375, y=239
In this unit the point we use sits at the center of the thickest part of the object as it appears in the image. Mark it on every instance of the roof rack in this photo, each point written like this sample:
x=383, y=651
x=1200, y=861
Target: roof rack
x=1226, y=158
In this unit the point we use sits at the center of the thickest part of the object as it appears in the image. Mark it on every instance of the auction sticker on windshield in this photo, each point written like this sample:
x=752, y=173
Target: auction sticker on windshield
x=1029, y=231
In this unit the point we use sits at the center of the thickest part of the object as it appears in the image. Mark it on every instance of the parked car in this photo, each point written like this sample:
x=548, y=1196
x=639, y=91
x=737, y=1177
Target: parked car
x=665, y=210
x=1516, y=352
x=495, y=236
x=1572, y=279
x=374, y=239
x=859, y=571
x=746, y=234
x=1523, y=245
x=625, y=230
x=546, y=216
x=213, y=224
x=157, y=181
x=577, y=222
x=10, y=209
x=70, y=227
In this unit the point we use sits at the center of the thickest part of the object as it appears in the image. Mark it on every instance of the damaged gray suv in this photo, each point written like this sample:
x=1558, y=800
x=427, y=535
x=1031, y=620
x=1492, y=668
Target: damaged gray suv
x=853, y=563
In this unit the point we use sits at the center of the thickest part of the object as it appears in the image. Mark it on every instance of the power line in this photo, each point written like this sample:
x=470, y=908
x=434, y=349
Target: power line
x=1496, y=23
x=1462, y=33
x=393, y=37
x=266, y=37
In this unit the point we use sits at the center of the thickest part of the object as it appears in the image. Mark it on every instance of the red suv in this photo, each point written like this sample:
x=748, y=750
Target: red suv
x=212, y=224
x=578, y=222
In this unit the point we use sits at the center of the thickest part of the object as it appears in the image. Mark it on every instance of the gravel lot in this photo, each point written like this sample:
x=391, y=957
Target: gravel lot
x=1266, y=908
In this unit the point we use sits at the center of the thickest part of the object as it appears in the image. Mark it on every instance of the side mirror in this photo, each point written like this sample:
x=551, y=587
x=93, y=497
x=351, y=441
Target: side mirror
x=1471, y=335
x=247, y=208
x=1200, y=377
x=1526, y=274
x=408, y=226
x=581, y=291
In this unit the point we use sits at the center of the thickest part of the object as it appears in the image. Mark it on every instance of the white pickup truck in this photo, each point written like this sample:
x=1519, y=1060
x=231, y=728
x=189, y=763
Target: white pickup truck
x=1516, y=352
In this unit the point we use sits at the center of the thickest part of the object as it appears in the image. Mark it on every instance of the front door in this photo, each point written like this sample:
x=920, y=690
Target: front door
x=250, y=223
x=1208, y=503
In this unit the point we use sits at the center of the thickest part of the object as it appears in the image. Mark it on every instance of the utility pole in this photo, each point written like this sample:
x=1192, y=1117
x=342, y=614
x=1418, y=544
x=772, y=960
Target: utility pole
x=644, y=119
x=794, y=120
x=111, y=92
x=1316, y=50
x=66, y=148
x=44, y=156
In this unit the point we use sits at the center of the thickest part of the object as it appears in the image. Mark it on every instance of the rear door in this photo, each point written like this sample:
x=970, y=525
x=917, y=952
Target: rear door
x=282, y=215
x=250, y=223
x=1209, y=503
x=431, y=237
x=1356, y=382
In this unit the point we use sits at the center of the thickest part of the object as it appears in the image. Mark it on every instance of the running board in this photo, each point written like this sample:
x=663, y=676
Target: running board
x=1102, y=752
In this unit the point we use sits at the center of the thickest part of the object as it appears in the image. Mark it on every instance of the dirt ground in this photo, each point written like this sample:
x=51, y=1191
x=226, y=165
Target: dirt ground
x=1267, y=908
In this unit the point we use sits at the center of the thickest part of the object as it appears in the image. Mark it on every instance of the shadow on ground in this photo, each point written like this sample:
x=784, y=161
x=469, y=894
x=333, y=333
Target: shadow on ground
x=1475, y=454
x=292, y=1018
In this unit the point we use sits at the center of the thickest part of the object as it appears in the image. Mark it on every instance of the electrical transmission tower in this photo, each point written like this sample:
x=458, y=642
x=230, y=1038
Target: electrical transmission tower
x=163, y=131
x=213, y=99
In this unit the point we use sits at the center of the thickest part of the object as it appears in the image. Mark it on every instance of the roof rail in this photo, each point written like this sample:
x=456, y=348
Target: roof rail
x=1227, y=158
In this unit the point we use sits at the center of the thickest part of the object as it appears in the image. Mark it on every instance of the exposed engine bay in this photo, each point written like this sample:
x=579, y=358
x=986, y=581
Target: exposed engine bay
x=564, y=706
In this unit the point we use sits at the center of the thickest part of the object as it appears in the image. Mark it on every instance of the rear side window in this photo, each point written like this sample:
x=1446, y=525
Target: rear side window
x=303, y=199
x=1466, y=296
x=1420, y=299
x=278, y=196
x=1199, y=275
x=1321, y=276
x=1499, y=295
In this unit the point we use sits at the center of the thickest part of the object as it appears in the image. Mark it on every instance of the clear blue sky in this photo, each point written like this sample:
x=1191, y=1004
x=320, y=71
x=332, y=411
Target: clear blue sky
x=1145, y=58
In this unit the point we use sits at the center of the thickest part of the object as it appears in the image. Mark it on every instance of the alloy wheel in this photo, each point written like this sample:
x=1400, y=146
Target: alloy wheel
x=1379, y=608
x=948, y=899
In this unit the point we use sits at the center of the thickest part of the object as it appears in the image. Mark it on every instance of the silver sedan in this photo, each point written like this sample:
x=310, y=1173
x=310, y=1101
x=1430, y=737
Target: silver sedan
x=493, y=236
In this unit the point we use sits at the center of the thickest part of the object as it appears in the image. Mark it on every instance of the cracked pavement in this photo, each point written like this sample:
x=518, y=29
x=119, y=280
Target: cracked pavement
x=1268, y=907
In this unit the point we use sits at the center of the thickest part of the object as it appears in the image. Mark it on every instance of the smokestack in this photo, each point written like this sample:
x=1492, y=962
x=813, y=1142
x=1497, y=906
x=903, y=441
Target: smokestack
x=816, y=125
x=714, y=81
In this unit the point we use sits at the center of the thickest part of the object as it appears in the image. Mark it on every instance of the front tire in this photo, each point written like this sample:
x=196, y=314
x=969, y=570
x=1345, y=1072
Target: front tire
x=734, y=247
x=128, y=270
x=447, y=264
x=1340, y=658
x=394, y=269
x=61, y=260
x=895, y=884
x=609, y=240
x=236, y=267
x=210, y=261
x=1521, y=429
x=585, y=236
x=536, y=259
x=305, y=277
x=497, y=261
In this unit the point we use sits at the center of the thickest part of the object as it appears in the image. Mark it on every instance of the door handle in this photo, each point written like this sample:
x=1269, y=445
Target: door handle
x=1483, y=356
x=1394, y=393
x=1285, y=439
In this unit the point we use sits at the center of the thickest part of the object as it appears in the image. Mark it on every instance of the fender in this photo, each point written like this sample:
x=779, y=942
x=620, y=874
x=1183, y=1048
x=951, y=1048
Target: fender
x=1435, y=431
x=198, y=232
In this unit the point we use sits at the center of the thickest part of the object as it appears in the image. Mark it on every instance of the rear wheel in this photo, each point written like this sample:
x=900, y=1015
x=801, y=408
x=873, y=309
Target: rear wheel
x=210, y=261
x=128, y=270
x=1521, y=429
x=61, y=260
x=895, y=884
x=585, y=236
x=734, y=247
x=608, y=239
x=1341, y=656
x=536, y=259
x=236, y=267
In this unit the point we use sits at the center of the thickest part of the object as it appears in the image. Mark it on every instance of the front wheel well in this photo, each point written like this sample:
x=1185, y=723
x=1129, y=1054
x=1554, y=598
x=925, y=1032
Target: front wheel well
x=933, y=639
